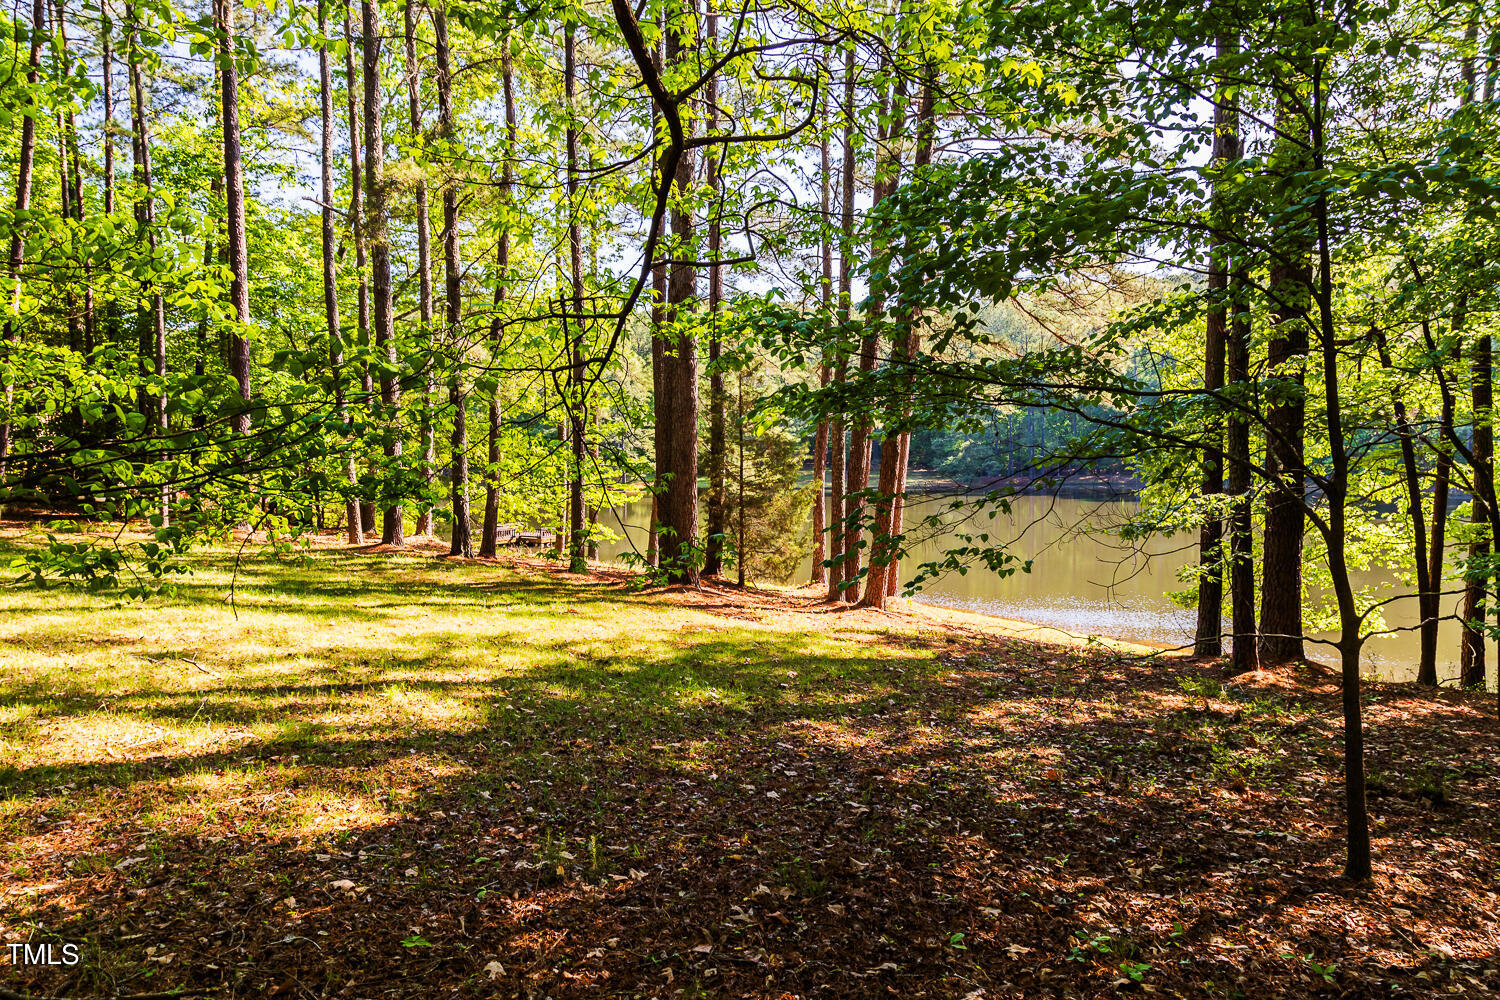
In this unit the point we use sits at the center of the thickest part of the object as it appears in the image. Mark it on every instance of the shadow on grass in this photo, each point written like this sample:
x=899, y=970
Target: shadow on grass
x=738, y=812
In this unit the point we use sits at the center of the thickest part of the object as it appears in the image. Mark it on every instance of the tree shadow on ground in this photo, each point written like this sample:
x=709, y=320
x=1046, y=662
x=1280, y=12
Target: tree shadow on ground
x=737, y=811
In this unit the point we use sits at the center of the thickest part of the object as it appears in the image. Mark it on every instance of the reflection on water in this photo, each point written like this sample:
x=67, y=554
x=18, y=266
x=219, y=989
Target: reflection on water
x=1085, y=580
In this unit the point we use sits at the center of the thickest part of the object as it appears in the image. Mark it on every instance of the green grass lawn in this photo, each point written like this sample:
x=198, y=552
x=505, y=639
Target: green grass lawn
x=397, y=775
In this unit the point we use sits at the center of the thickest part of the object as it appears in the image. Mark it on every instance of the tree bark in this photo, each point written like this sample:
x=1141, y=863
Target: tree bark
x=1209, y=638
x=1244, y=653
x=393, y=531
x=1476, y=583
x=424, y=276
x=895, y=447
x=846, y=552
x=1357, y=864
x=1437, y=535
x=352, y=527
x=70, y=191
x=574, y=400
x=234, y=197
x=462, y=543
x=825, y=371
x=678, y=462
x=1427, y=605
x=718, y=499
x=1481, y=468
x=487, y=540
x=107, y=127
x=860, y=439
x=357, y=227
x=152, y=315
x=1290, y=292
x=26, y=161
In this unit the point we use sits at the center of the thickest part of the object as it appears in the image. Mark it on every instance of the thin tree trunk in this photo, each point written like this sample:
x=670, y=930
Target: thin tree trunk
x=574, y=401
x=212, y=251
x=886, y=160
x=154, y=348
x=845, y=554
x=234, y=195
x=898, y=503
x=70, y=191
x=1209, y=638
x=1427, y=605
x=26, y=160
x=393, y=531
x=895, y=446
x=825, y=371
x=652, y=535
x=461, y=544
x=107, y=127
x=352, y=527
x=1442, y=477
x=718, y=499
x=1357, y=865
x=1471, y=660
x=487, y=540
x=744, y=556
x=564, y=434
x=357, y=227
x=1482, y=472
x=424, y=278
x=660, y=404
x=1245, y=652
x=1437, y=535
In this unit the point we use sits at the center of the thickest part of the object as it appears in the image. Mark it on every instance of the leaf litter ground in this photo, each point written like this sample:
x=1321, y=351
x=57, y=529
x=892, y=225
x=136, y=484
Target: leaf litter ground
x=392, y=775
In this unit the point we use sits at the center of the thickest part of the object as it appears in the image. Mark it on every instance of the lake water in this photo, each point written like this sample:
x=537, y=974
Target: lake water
x=1086, y=581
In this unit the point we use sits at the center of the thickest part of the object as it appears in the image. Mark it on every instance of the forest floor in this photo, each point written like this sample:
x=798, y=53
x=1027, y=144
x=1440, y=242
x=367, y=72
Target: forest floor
x=383, y=774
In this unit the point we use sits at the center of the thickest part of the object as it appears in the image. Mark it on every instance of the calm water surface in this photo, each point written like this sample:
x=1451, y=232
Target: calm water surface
x=1086, y=581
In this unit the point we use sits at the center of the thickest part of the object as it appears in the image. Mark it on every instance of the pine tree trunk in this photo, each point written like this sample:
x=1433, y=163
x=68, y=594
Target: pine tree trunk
x=825, y=371
x=107, y=127
x=895, y=446
x=487, y=540
x=26, y=161
x=576, y=403
x=1245, y=651
x=860, y=437
x=424, y=278
x=461, y=544
x=1209, y=638
x=846, y=552
x=152, y=314
x=330, y=275
x=713, y=559
x=357, y=226
x=70, y=191
x=393, y=531
x=234, y=198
